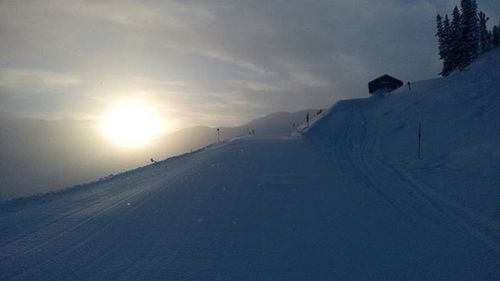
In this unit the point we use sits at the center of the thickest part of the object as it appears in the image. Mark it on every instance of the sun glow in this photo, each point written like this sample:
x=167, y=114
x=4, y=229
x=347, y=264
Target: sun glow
x=132, y=124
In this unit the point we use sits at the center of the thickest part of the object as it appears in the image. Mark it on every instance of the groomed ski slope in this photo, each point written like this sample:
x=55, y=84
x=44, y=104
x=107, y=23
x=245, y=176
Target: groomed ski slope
x=347, y=201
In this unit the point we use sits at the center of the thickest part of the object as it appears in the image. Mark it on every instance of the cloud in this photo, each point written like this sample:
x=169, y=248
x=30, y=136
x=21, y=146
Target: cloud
x=33, y=80
x=209, y=60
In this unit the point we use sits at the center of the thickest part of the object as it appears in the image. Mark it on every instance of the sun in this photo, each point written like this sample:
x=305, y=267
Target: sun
x=132, y=124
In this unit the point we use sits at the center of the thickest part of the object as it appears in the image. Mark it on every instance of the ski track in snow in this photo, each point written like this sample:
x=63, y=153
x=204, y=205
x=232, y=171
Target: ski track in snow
x=336, y=204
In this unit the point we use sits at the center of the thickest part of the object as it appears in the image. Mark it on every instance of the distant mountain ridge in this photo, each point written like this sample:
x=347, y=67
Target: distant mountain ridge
x=44, y=155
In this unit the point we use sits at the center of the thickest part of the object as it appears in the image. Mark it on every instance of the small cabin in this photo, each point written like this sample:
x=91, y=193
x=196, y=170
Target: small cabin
x=384, y=83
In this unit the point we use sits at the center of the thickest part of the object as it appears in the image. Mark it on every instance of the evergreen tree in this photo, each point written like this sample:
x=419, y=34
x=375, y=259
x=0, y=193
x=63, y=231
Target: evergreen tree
x=464, y=37
x=469, y=36
x=447, y=64
x=441, y=39
x=495, y=36
x=443, y=29
x=454, y=41
x=440, y=31
x=484, y=34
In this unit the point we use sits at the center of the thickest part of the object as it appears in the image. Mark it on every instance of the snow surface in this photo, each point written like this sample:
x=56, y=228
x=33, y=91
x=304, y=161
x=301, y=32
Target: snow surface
x=347, y=201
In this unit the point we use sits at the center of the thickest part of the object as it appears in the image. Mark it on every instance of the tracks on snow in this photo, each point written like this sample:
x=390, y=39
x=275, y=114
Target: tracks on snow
x=356, y=147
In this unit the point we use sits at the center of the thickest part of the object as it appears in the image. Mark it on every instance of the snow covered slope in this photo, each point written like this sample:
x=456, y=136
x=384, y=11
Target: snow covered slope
x=349, y=201
x=460, y=121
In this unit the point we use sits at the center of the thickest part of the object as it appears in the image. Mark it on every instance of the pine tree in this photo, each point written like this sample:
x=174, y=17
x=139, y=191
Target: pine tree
x=440, y=33
x=484, y=34
x=441, y=40
x=454, y=41
x=466, y=36
x=495, y=36
x=447, y=63
x=443, y=30
x=469, y=37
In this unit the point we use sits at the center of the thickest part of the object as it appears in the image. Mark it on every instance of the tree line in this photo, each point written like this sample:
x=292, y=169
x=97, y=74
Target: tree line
x=463, y=37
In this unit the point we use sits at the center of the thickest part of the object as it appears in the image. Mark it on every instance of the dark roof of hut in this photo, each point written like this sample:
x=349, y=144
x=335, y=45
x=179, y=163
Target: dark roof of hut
x=384, y=81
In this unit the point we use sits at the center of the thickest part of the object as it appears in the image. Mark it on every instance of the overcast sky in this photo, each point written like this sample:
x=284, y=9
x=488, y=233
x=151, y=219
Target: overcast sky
x=209, y=62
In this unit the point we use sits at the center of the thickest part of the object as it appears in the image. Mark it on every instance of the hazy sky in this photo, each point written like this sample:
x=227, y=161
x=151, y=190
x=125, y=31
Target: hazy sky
x=209, y=62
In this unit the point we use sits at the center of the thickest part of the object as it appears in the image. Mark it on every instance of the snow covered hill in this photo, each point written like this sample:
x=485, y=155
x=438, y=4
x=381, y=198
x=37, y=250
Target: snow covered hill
x=460, y=121
x=347, y=201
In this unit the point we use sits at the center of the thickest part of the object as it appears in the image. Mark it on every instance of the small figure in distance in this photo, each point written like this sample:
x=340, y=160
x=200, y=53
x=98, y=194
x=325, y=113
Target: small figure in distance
x=409, y=86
